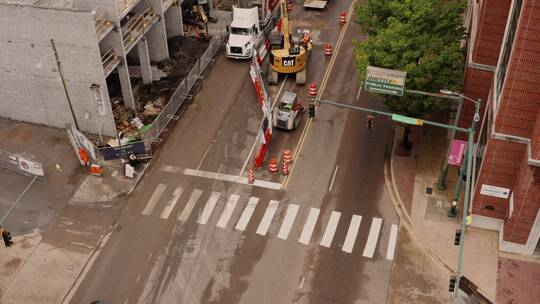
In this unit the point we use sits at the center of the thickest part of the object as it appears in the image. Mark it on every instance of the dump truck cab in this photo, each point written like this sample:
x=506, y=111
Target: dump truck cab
x=244, y=33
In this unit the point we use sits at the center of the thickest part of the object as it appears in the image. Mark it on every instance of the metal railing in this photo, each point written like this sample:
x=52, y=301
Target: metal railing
x=141, y=24
x=122, y=6
x=182, y=92
x=167, y=3
x=103, y=25
x=110, y=60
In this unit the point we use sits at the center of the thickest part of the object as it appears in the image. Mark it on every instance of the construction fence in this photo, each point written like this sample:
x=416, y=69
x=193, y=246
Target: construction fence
x=182, y=92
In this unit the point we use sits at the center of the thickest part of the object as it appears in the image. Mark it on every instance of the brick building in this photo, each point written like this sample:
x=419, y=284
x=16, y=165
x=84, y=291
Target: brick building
x=503, y=70
x=93, y=41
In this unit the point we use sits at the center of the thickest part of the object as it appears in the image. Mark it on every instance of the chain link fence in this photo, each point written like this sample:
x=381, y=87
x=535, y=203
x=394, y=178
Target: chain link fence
x=182, y=92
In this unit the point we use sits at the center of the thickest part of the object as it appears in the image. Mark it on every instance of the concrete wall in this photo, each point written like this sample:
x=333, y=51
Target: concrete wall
x=31, y=89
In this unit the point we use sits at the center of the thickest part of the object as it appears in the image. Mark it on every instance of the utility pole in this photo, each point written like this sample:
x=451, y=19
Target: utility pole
x=64, y=84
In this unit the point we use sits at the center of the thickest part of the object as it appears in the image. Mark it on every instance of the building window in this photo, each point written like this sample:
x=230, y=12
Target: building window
x=506, y=50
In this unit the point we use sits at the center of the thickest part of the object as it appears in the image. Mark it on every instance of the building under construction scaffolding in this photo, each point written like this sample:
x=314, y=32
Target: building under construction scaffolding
x=62, y=58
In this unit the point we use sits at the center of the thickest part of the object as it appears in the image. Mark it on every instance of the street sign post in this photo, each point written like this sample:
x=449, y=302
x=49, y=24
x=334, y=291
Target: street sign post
x=407, y=120
x=385, y=81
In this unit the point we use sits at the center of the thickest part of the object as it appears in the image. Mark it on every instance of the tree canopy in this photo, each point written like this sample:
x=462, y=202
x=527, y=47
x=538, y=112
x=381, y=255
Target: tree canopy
x=420, y=37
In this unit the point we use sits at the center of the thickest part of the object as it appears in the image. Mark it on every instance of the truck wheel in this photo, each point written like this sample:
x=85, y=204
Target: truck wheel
x=272, y=77
x=301, y=76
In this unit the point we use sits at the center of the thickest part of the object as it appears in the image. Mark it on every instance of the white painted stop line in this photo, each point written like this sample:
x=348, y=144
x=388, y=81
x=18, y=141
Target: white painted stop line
x=209, y=207
x=193, y=198
x=288, y=221
x=307, y=231
x=392, y=242
x=247, y=213
x=227, y=212
x=267, y=217
x=373, y=236
x=350, y=239
x=330, y=229
x=171, y=203
x=158, y=192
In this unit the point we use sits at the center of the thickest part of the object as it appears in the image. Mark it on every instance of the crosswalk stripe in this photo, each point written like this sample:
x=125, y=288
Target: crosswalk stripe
x=246, y=214
x=307, y=231
x=330, y=229
x=288, y=221
x=267, y=217
x=154, y=199
x=209, y=207
x=373, y=236
x=228, y=211
x=348, y=245
x=171, y=203
x=392, y=242
x=193, y=198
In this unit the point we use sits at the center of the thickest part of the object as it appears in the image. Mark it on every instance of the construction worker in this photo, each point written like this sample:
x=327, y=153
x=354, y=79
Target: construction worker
x=369, y=121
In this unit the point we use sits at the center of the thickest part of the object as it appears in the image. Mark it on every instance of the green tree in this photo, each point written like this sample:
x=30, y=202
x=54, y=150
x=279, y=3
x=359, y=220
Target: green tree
x=421, y=37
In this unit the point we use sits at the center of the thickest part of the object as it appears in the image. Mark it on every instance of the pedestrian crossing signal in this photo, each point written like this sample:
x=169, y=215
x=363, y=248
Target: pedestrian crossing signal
x=7, y=238
x=452, y=284
x=457, y=238
x=311, y=110
x=369, y=121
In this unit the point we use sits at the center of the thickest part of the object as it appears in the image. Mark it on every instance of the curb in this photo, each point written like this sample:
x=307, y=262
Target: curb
x=390, y=183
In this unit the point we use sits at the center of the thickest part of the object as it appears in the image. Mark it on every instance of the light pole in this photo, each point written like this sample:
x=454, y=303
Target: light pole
x=466, y=200
x=452, y=212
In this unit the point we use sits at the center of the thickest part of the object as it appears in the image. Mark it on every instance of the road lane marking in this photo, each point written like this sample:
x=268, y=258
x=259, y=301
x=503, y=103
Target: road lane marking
x=149, y=256
x=333, y=178
x=205, y=153
x=138, y=278
x=392, y=242
x=267, y=217
x=330, y=229
x=302, y=282
x=223, y=177
x=228, y=211
x=373, y=236
x=288, y=221
x=247, y=213
x=248, y=157
x=171, y=203
x=193, y=198
x=209, y=207
x=307, y=231
x=359, y=92
x=350, y=239
x=158, y=192
x=323, y=86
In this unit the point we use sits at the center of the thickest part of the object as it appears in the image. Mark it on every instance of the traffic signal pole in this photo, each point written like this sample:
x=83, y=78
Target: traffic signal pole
x=470, y=143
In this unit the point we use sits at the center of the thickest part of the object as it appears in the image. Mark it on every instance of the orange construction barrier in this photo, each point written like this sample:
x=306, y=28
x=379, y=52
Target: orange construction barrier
x=251, y=177
x=84, y=157
x=312, y=90
x=343, y=18
x=95, y=170
x=328, y=50
x=289, y=5
x=285, y=169
x=287, y=157
x=273, y=165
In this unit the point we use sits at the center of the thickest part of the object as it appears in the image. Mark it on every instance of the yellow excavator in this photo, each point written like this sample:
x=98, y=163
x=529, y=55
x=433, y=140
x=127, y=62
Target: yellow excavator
x=288, y=55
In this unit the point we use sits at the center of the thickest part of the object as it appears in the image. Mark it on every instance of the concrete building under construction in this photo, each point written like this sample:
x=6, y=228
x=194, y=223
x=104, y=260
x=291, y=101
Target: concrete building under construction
x=60, y=57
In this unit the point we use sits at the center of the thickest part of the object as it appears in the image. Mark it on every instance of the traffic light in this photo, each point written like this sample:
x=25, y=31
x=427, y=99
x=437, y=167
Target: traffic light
x=7, y=238
x=369, y=121
x=311, y=110
x=457, y=238
x=452, y=284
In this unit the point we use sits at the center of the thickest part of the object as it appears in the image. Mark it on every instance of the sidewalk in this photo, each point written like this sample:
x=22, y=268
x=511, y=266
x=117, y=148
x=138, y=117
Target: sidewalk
x=413, y=177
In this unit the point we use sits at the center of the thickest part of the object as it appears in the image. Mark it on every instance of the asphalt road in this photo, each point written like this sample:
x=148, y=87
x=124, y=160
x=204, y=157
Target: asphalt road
x=323, y=239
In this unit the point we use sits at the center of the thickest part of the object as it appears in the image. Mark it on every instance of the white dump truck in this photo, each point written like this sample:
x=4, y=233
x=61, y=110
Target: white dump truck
x=250, y=28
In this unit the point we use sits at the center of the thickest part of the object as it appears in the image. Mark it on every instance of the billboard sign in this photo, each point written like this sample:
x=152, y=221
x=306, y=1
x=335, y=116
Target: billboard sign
x=385, y=81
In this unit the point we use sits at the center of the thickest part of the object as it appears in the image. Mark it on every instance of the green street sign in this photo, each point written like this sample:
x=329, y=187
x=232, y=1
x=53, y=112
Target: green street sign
x=407, y=120
x=385, y=81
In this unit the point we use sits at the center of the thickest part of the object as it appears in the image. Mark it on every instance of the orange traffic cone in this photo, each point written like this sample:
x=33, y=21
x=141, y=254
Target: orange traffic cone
x=273, y=165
